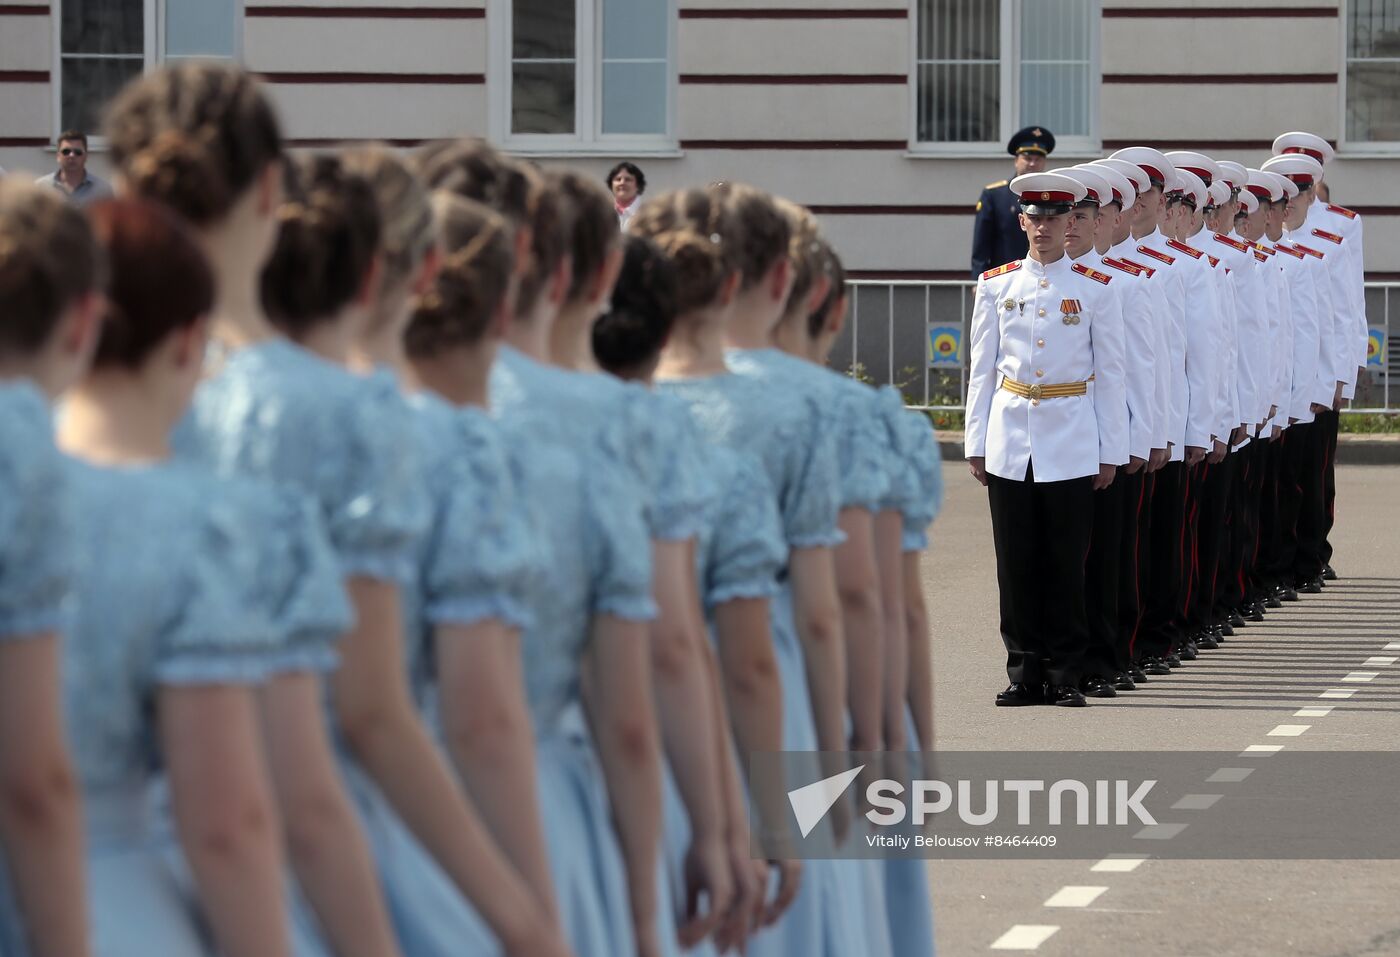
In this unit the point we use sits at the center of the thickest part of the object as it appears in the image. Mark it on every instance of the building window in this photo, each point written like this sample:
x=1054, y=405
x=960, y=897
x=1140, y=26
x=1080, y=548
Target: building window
x=102, y=44
x=986, y=68
x=1373, y=71
x=584, y=73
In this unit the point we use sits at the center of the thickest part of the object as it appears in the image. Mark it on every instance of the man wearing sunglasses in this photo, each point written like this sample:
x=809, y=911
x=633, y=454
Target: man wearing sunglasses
x=72, y=176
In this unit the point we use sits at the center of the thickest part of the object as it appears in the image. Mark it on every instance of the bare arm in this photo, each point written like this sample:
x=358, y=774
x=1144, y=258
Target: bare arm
x=489, y=736
x=920, y=651
x=752, y=689
x=384, y=730
x=622, y=715
x=817, y=614
x=685, y=708
x=858, y=585
x=325, y=842
x=889, y=526
x=41, y=831
x=225, y=816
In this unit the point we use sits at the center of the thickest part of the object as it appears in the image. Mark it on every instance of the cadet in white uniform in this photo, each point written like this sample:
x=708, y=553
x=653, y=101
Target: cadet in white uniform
x=1046, y=418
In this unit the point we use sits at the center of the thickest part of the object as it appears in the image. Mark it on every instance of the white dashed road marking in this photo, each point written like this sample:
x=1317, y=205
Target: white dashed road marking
x=1380, y=661
x=1025, y=937
x=1075, y=896
x=1229, y=775
x=1197, y=802
x=1322, y=712
x=1261, y=750
x=1338, y=693
x=1119, y=864
x=1289, y=730
x=1362, y=676
x=1159, y=832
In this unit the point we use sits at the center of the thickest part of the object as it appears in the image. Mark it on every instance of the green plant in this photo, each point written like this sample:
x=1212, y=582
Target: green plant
x=1373, y=423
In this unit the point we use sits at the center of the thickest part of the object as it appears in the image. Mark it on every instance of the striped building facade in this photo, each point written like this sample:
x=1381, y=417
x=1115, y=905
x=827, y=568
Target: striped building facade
x=886, y=116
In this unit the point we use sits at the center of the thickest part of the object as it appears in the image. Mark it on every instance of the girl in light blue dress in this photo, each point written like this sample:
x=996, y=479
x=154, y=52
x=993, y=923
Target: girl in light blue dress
x=739, y=553
x=465, y=610
x=173, y=630
x=730, y=260
x=587, y=663
x=909, y=704
x=50, y=307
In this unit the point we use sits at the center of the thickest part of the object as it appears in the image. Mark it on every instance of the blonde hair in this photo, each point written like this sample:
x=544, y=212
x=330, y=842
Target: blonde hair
x=405, y=213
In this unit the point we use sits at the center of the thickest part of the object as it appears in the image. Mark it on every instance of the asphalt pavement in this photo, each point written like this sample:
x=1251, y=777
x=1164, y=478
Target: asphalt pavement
x=1297, y=681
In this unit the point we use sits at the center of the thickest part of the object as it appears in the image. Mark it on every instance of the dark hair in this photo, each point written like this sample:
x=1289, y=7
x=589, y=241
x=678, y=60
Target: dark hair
x=764, y=229
x=328, y=238
x=48, y=260
x=475, y=170
x=193, y=136
x=631, y=334
x=836, y=270
x=476, y=268
x=161, y=280
x=632, y=168
x=702, y=238
x=73, y=136
x=595, y=232
x=406, y=218
x=804, y=251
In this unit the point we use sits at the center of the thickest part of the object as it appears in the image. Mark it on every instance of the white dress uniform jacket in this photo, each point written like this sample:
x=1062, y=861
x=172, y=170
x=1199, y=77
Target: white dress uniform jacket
x=1152, y=250
x=1329, y=362
x=1202, y=326
x=1031, y=342
x=1140, y=338
x=1252, y=319
x=1227, y=393
x=1326, y=220
x=1338, y=274
x=1162, y=333
x=1303, y=308
x=1280, y=334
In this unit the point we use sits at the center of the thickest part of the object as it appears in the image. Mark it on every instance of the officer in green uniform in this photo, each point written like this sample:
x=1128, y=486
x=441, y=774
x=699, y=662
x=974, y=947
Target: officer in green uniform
x=997, y=236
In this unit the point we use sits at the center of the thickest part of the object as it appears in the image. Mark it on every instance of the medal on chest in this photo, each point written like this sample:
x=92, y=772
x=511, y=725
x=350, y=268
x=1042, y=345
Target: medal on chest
x=1070, y=309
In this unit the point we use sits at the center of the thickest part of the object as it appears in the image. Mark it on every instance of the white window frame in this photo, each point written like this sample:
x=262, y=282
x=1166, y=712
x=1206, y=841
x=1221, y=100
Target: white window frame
x=1344, y=145
x=1010, y=62
x=588, y=138
x=153, y=52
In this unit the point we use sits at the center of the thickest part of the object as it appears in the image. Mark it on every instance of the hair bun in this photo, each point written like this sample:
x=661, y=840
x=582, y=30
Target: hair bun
x=176, y=171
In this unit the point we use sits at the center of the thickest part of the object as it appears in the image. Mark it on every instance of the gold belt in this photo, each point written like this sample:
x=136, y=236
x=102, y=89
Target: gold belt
x=1057, y=390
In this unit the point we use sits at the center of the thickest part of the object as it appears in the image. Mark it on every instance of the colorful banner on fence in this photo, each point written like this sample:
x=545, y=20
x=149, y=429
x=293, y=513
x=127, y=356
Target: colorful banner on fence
x=1375, y=347
x=945, y=346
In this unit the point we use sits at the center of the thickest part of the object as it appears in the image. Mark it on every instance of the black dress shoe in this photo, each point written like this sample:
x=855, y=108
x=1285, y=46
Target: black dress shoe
x=1287, y=593
x=1138, y=675
x=1172, y=660
x=1155, y=666
x=1254, y=611
x=1188, y=651
x=1224, y=630
x=1236, y=618
x=1272, y=600
x=1207, y=641
x=1123, y=682
x=1328, y=574
x=1019, y=694
x=1093, y=687
x=1066, y=696
x=1313, y=586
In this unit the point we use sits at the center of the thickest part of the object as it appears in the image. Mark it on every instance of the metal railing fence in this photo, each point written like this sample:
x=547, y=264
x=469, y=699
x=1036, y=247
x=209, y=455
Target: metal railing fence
x=914, y=334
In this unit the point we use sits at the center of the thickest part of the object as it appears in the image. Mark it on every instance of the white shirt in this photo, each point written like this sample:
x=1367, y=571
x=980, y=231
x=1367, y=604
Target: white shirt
x=625, y=213
x=1031, y=342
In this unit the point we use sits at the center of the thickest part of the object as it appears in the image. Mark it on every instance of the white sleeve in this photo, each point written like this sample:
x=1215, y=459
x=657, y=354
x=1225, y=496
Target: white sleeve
x=985, y=336
x=1106, y=338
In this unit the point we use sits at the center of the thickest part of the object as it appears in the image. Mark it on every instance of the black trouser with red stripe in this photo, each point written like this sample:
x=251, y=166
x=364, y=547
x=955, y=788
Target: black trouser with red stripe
x=1142, y=554
x=1103, y=575
x=1270, y=527
x=1166, y=556
x=1192, y=479
x=1136, y=503
x=1244, y=540
x=1041, y=531
x=1211, y=542
x=1295, y=445
x=1313, y=460
x=1331, y=423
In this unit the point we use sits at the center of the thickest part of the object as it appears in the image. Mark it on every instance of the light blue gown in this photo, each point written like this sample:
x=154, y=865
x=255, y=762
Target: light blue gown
x=783, y=430
x=916, y=489
x=353, y=444
x=590, y=514
x=36, y=557
x=172, y=585
x=851, y=418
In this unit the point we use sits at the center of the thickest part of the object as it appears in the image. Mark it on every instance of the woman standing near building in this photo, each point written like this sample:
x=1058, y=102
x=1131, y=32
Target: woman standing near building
x=50, y=273
x=627, y=183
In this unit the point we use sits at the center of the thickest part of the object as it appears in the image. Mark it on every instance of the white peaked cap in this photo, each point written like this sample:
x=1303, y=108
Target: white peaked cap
x=1122, y=186
x=1153, y=162
x=1219, y=193
x=1290, y=188
x=1308, y=144
x=1248, y=201
x=1130, y=171
x=1192, y=184
x=1100, y=189
x=1198, y=163
x=1296, y=166
x=1233, y=173
x=1264, y=185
